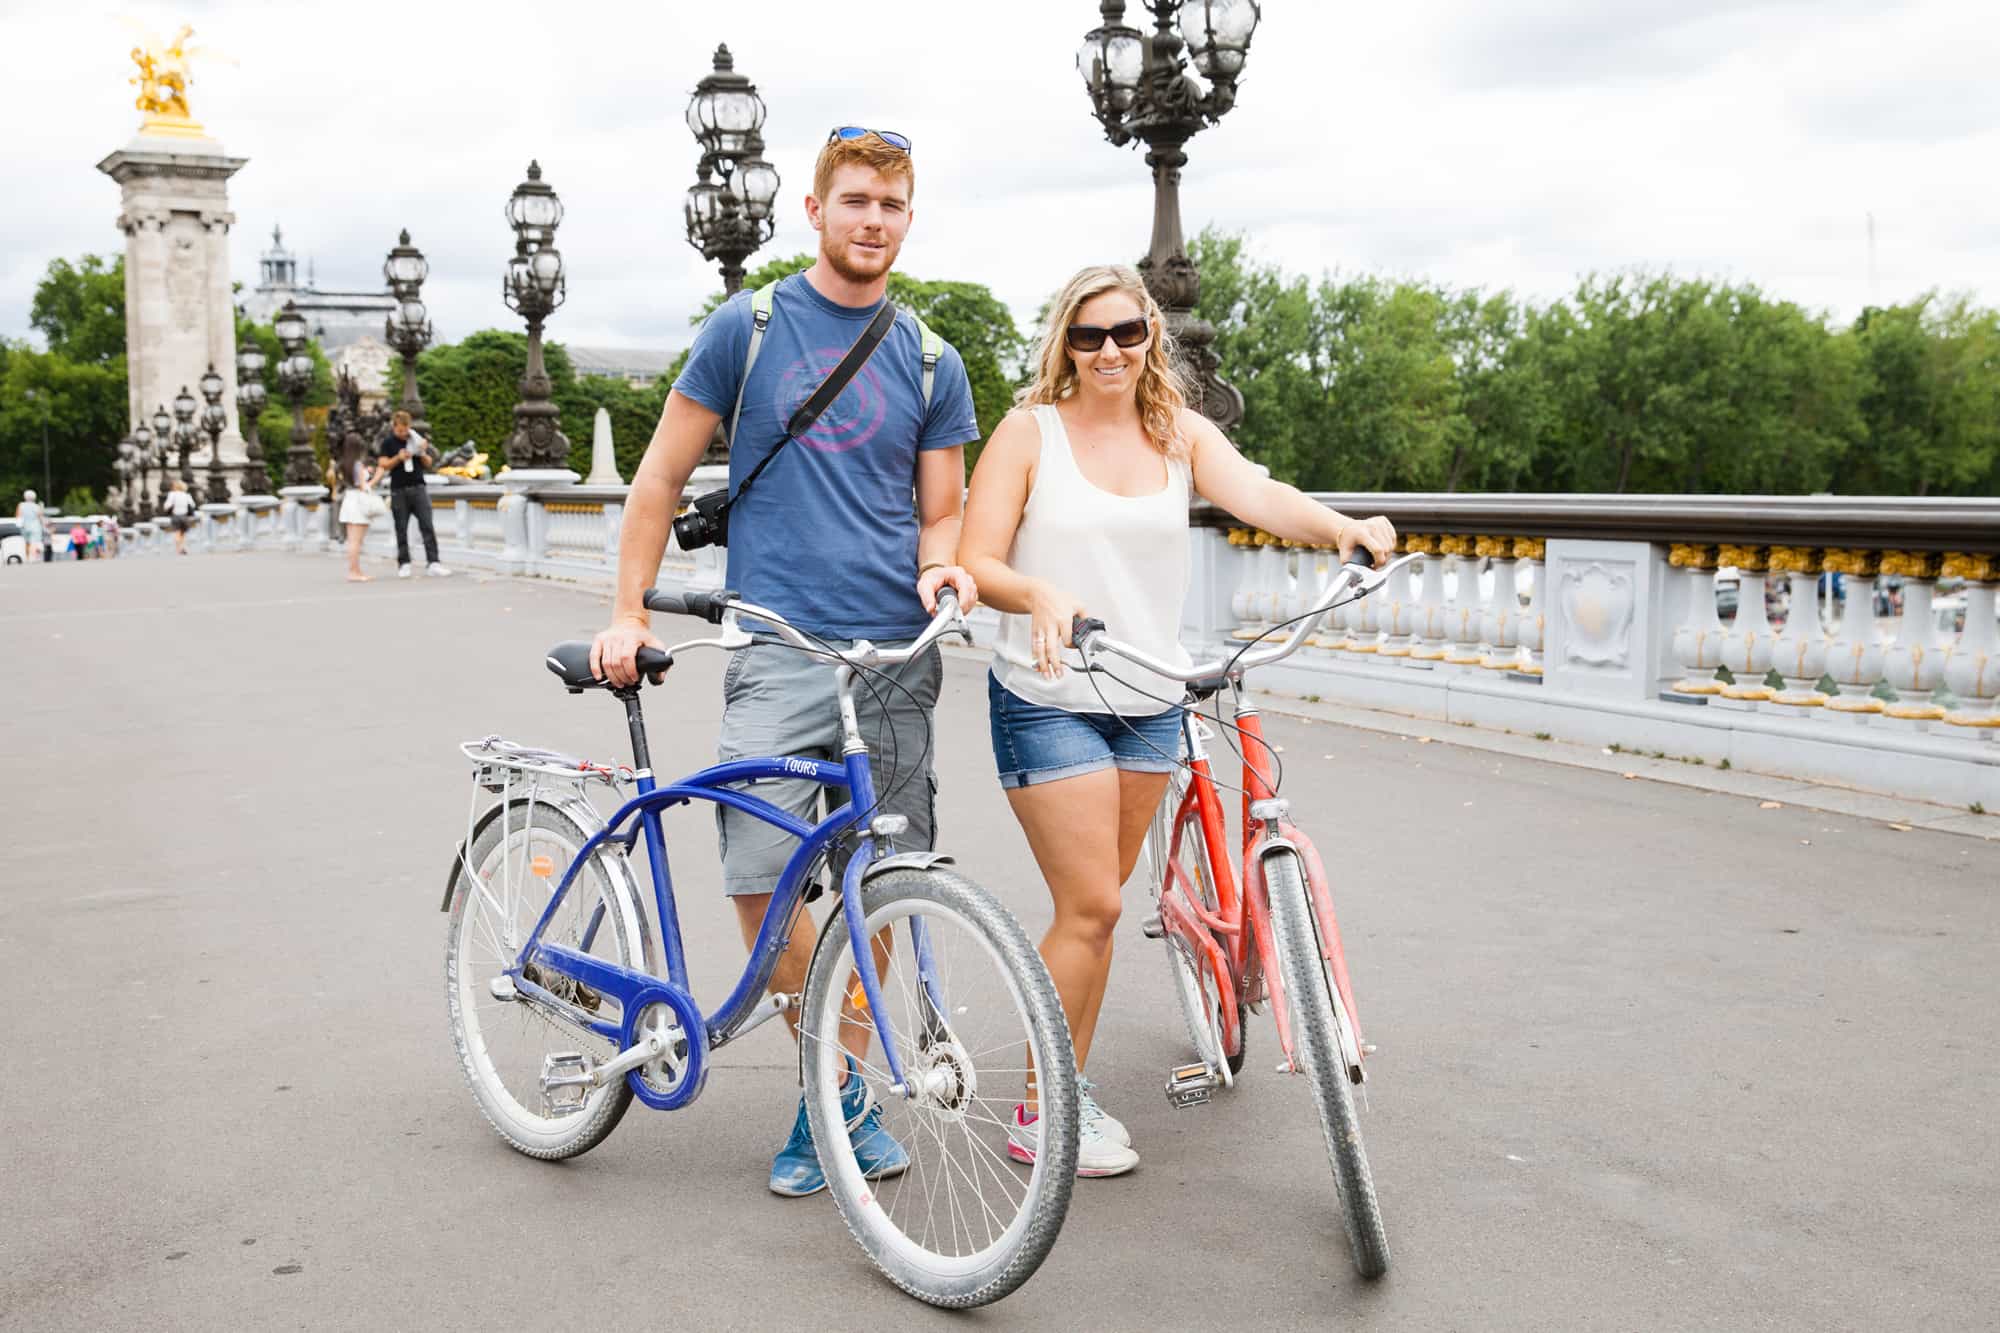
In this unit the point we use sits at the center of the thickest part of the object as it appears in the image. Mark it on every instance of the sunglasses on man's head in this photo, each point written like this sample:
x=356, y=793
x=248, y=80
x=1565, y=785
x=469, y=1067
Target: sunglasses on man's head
x=890, y=137
x=1090, y=337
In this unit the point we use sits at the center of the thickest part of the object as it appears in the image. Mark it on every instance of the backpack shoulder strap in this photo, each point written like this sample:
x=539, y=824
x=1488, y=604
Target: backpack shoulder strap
x=761, y=302
x=933, y=349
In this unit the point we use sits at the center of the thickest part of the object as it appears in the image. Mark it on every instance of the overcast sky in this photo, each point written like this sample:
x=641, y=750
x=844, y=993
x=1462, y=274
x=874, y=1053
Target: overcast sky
x=1501, y=145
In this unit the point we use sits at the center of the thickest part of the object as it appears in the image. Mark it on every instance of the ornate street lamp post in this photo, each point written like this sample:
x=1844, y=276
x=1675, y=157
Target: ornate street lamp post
x=185, y=436
x=408, y=327
x=729, y=206
x=142, y=440
x=250, y=399
x=1140, y=89
x=214, y=421
x=295, y=376
x=126, y=465
x=533, y=289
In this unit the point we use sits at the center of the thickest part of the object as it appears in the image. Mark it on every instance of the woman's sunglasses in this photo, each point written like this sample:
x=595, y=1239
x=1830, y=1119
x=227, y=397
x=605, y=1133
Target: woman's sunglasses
x=890, y=137
x=1090, y=337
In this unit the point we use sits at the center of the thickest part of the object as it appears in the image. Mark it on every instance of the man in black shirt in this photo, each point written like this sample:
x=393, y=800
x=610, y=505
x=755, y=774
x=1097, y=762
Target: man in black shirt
x=407, y=457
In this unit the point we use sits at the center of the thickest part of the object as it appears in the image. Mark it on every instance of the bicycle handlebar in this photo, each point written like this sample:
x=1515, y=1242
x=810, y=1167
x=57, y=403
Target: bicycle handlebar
x=726, y=609
x=707, y=606
x=1089, y=635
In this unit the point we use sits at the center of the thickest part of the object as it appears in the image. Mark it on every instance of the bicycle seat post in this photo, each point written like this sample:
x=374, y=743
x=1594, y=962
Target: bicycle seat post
x=642, y=759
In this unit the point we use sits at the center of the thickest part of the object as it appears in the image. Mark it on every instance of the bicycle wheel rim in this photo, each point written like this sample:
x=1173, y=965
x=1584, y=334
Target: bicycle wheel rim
x=963, y=1209
x=503, y=1043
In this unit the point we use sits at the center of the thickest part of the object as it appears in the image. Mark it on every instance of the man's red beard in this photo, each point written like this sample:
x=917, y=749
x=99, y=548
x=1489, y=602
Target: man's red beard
x=836, y=259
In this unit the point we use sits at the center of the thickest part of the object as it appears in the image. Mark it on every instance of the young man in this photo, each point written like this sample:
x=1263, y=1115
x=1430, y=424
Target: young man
x=406, y=458
x=841, y=491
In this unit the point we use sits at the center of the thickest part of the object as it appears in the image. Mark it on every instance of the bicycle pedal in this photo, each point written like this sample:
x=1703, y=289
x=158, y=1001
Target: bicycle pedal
x=1190, y=1085
x=565, y=1082
x=1153, y=928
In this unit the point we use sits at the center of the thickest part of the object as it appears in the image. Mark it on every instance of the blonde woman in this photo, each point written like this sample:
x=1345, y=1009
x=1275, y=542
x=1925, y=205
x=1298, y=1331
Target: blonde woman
x=359, y=506
x=1079, y=506
x=180, y=514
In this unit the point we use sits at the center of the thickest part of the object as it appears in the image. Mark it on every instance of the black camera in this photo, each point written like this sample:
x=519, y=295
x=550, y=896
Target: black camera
x=706, y=523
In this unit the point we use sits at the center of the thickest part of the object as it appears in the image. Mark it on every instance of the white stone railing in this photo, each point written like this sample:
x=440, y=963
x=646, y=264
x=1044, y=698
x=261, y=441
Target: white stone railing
x=1595, y=619
x=1614, y=635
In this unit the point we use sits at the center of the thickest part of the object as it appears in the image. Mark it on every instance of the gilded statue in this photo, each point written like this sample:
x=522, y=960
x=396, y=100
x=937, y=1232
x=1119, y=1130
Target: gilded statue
x=163, y=77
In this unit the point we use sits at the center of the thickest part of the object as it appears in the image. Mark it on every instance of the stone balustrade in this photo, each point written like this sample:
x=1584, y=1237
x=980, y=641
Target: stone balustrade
x=1598, y=619
x=1593, y=619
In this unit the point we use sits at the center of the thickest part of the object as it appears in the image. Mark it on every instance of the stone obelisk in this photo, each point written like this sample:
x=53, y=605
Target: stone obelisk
x=179, y=317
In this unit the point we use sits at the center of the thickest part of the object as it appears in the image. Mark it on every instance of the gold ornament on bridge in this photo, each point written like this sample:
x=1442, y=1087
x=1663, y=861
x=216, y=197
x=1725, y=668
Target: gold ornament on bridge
x=163, y=80
x=1861, y=564
x=1749, y=559
x=1530, y=548
x=1689, y=555
x=1795, y=560
x=1970, y=566
x=1911, y=565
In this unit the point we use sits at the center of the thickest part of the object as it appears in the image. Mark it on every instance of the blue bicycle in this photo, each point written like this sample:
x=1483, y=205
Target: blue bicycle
x=562, y=1015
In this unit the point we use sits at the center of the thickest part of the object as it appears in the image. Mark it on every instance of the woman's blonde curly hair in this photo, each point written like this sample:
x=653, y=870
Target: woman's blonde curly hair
x=1161, y=396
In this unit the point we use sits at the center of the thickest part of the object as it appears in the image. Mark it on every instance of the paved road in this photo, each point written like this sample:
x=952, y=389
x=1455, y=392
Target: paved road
x=1651, y=1058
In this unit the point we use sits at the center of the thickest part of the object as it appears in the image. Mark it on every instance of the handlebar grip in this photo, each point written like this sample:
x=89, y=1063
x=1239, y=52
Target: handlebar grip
x=707, y=606
x=653, y=662
x=1363, y=557
x=1082, y=627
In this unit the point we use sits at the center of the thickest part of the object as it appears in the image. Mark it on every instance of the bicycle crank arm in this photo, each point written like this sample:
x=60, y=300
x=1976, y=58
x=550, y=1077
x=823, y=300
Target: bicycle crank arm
x=767, y=1009
x=638, y=1053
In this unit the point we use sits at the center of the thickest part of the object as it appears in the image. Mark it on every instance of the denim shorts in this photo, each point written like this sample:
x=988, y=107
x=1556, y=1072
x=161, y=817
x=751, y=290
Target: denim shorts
x=1033, y=743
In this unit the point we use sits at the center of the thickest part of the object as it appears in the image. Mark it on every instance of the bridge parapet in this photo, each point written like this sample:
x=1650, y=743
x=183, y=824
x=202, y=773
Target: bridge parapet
x=1837, y=638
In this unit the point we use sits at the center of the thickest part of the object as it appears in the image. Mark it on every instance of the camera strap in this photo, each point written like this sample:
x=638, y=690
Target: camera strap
x=821, y=398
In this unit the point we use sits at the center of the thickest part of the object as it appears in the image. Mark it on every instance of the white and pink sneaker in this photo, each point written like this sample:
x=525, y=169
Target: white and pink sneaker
x=1096, y=1153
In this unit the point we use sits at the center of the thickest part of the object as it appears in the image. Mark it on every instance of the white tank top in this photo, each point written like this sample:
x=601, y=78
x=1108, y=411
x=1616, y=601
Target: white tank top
x=1125, y=558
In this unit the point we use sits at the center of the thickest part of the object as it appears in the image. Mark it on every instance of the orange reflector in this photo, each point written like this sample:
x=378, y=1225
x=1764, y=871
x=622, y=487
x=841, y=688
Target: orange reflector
x=542, y=865
x=857, y=995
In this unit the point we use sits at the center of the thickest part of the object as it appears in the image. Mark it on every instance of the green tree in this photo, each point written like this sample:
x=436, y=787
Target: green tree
x=80, y=309
x=1347, y=384
x=1932, y=402
x=1503, y=399
x=470, y=387
x=74, y=394
x=78, y=407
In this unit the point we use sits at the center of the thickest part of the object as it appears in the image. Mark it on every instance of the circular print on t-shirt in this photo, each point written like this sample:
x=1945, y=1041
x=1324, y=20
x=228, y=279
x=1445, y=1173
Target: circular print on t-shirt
x=853, y=418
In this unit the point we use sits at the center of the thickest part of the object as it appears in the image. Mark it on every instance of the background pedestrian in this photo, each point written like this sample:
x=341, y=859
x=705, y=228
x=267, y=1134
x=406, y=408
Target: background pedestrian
x=407, y=457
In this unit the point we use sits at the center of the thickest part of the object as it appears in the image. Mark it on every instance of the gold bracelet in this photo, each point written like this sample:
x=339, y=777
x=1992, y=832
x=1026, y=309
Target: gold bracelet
x=925, y=569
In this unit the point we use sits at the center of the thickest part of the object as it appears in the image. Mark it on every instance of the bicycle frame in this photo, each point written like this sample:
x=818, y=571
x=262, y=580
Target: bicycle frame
x=640, y=817
x=1220, y=937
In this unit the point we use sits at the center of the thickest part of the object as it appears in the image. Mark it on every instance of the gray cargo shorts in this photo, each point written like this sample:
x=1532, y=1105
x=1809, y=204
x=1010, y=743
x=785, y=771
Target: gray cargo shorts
x=779, y=701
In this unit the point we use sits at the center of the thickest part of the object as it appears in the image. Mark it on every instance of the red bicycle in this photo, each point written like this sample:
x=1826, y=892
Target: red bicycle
x=1272, y=934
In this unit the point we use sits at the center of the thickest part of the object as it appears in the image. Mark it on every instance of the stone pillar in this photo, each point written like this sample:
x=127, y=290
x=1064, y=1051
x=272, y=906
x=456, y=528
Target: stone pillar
x=603, y=459
x=179, y=313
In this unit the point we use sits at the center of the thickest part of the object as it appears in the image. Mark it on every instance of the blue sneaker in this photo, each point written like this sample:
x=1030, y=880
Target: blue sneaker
x=795, y=1171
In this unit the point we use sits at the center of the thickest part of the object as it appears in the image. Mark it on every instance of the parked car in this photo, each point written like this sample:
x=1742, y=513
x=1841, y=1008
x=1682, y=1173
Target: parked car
x=13, y=547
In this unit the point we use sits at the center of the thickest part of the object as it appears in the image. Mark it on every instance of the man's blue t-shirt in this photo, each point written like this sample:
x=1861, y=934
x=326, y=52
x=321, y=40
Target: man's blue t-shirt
x=827, y=536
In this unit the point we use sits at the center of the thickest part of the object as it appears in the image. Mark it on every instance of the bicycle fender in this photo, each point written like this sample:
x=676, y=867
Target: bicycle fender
x=907, y=861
